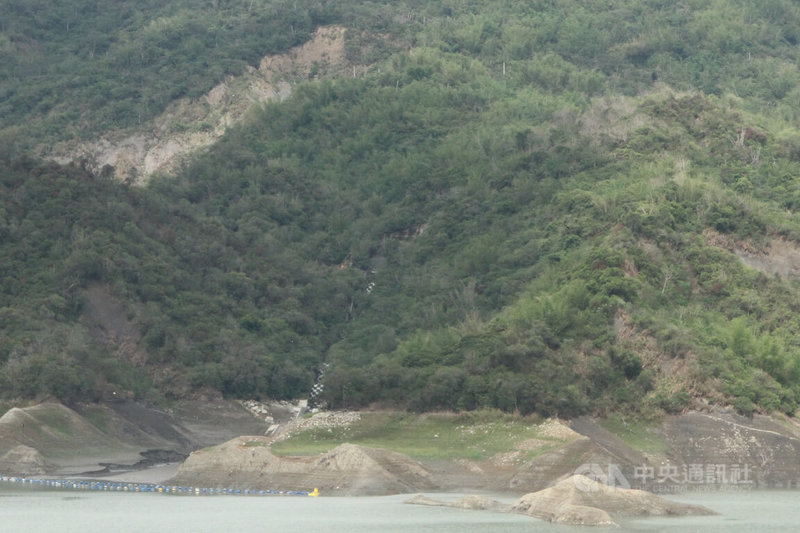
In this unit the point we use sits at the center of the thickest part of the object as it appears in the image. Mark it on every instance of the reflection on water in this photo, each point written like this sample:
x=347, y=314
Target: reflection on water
x=65, y=512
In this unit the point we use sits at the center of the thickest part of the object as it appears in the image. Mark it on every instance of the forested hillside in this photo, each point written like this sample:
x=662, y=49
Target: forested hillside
x=546, y=206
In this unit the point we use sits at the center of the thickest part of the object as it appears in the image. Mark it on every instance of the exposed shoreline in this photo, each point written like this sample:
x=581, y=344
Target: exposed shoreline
x=133, y=443
x=157, y=474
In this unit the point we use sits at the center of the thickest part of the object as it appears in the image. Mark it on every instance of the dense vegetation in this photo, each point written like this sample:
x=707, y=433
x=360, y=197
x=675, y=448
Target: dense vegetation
x=77, y=67
x=532, y=206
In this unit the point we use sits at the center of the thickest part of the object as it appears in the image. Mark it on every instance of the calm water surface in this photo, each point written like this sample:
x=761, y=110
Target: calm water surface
x=45, y=511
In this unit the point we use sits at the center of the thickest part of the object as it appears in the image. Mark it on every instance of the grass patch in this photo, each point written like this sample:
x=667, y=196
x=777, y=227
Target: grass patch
x=96, y=416
x=475, y=436
x=643, y=436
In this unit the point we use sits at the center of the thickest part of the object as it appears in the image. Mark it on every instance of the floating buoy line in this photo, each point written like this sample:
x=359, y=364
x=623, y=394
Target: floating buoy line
x=109, y=486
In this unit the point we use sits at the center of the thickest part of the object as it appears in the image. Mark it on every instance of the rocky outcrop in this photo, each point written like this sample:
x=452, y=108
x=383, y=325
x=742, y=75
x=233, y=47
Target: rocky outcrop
x=248, y=462
x=579, y=500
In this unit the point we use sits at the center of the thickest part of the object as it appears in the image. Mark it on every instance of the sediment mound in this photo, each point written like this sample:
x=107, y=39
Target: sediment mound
x=247, y=462
x=370, y=471
x=24, y=461
x=580, y=500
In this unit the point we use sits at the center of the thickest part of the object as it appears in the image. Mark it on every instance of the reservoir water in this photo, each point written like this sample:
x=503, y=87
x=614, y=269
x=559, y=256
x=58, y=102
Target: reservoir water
x=43, y=511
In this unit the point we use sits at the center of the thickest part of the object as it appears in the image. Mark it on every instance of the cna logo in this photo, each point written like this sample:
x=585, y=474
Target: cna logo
x=588, y=473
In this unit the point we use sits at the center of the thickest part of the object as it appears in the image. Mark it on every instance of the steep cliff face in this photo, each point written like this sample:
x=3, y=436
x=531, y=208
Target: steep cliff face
x=189, y=125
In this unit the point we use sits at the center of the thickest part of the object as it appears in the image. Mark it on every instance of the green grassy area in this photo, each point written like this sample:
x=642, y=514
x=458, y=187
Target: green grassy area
x=643, y=436
x=97, y=416
x=474, y=436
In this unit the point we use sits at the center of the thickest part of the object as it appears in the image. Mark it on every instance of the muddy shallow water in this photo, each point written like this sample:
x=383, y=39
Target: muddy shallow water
x=28, y=509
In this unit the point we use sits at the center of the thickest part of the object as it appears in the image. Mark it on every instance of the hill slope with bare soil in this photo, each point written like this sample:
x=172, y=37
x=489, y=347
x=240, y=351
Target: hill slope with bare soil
x=247, y=462
x=710, y=450
x=727, y=449
x=53, y=439
x=189, y=125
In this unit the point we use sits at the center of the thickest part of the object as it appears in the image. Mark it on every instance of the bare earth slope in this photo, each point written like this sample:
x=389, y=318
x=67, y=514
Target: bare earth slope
x=709, y=449
x=727, y=449
x=51, y=438
x=187, y=126
x=23, y=460
x=247, y=462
